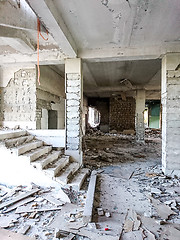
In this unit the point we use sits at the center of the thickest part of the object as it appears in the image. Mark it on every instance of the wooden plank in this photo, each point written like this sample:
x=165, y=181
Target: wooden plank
x=24, y=209
x=20, y=203
x=18, y=198
x=8, y=235
x=87, y=215
x=53, y=200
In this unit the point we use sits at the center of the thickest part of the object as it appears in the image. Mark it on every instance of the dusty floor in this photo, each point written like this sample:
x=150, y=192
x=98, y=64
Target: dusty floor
x=104, y=149
x=129, y=186
x=130, y=178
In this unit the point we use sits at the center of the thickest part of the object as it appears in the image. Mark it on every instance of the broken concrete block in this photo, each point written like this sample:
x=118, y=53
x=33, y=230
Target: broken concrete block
x=92, y=225
x=100, y=211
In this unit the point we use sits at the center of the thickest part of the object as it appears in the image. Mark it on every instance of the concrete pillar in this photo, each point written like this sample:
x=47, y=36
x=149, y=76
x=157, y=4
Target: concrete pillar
x=74, y=106
x=170, y=98
x=140, y=107
x=61, y=115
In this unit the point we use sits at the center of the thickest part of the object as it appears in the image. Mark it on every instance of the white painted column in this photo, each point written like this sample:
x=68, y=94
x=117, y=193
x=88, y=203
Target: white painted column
x=74, y=106
x=140, y=107
x=170, y=98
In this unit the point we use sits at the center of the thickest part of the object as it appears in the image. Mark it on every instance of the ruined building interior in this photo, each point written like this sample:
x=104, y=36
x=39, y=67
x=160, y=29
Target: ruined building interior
x=89, y=119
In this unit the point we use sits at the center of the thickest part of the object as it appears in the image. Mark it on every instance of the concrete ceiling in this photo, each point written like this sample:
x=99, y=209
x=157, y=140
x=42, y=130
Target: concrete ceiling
x=116, y=39
x=121, y=23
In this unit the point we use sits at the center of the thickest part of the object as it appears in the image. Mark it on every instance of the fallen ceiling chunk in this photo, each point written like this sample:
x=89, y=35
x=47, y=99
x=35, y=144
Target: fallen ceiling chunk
x=163, y=210
x=170, y=234
x=150, y=235
x=131, y=223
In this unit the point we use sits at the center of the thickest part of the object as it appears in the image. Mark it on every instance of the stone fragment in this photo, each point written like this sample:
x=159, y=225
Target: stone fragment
x=107, y=214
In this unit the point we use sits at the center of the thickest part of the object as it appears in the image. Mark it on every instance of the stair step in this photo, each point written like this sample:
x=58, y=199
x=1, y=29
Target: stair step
x=57, y=166
x=6, y=135
x=44, y=161
x=79, y=178
x=69, y=171
x=33, y=155
x=27, y=147
x=14, y=142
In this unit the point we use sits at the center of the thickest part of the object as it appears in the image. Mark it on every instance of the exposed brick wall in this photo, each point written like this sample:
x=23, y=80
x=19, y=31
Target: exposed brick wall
x=122, y=113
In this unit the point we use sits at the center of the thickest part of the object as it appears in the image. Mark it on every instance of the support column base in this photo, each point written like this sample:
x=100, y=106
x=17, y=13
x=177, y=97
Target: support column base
x=171, y=173
x=75, y=155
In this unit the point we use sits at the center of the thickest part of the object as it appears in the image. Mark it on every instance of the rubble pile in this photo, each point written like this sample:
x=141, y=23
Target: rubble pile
x=30, y=210
x=153, y=133
x=104, y=149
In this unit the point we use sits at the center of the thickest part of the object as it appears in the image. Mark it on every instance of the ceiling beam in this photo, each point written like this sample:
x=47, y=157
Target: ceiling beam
x=51, y=19
x=18, y=16
x=127, y=54
x=46, y=57
x=17, y=39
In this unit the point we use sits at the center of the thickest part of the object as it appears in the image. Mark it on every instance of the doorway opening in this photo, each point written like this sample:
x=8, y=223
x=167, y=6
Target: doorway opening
x=52, y=119
x=94, y=117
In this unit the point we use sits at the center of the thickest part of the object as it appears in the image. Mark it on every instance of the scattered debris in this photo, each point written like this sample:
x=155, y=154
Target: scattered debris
x=8, y=235
x=24, y=209
x=21, y=197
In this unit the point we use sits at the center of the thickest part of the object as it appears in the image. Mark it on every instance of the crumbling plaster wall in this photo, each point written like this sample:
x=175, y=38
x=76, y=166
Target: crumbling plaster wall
x=23, y=99
x=122, y=113
x=18, y=100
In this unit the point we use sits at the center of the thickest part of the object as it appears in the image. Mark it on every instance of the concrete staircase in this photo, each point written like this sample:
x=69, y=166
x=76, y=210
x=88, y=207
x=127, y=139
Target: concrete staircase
x=41, y=156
